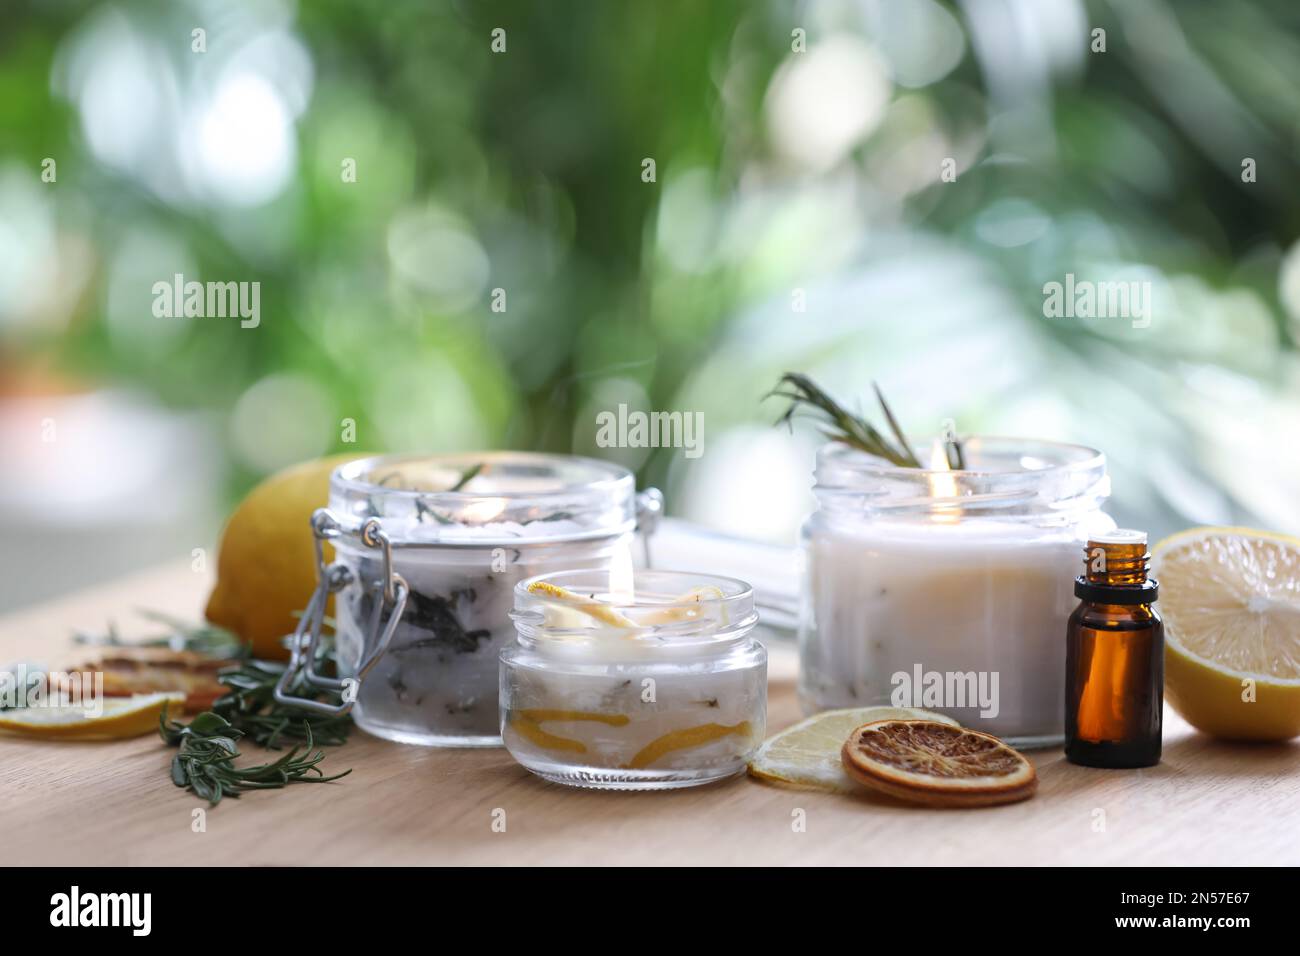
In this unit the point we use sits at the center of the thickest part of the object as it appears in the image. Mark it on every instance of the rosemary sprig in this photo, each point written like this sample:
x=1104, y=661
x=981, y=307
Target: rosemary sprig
x=207, y=639
x=952, y=446
x=249, y=704
x=468, y=475
x=205, y=760
x=893, y=422
x=250, y=707
x=843, y=425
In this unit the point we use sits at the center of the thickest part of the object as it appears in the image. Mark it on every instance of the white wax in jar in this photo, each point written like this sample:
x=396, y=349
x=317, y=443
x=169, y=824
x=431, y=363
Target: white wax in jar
x=969, y=596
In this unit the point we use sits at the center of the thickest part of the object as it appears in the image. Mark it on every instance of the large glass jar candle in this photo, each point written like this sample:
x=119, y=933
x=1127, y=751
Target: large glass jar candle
x=428, y=551
x=636, y=682
x=949, y=590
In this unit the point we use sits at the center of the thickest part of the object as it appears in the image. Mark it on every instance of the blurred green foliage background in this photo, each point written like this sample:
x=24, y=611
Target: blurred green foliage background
x=797, y=219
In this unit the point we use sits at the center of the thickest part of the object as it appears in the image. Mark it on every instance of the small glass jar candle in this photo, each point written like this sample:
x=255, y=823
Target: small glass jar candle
x=949, y=590
x=428, y=551
x=633, y=682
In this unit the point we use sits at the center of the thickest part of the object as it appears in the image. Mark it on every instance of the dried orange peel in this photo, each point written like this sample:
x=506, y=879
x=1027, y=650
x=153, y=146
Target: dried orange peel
x=685, y=739
x=605, y=613
x=541, y=714
x=927, y=762
x=527, y=723
x=685, y=607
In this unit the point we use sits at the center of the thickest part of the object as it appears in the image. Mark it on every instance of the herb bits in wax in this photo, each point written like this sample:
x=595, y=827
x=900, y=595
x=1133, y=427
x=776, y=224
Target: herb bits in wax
x=632, y=681
x=428, y=551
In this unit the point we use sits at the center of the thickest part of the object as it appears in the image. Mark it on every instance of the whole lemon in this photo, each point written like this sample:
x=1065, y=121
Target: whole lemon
x=266, y=561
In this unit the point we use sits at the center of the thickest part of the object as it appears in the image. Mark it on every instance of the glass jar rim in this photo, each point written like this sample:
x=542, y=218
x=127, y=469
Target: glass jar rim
x=1074, y=457
x=1018, y=477
x=577, y=498
x=703, y=620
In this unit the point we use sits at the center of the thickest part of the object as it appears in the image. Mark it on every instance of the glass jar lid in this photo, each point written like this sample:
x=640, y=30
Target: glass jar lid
x=486, y=499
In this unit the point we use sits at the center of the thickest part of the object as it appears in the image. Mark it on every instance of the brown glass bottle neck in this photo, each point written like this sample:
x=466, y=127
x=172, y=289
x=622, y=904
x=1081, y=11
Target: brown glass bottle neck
x=1116, y=564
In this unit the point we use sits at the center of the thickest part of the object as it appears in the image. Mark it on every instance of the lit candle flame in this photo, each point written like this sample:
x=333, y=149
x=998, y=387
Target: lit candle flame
x=943, y=484
x=622, y=589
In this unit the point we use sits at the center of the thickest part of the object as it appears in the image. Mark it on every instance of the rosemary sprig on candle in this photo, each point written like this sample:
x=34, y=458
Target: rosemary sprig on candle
x=952, y=446
x=842, y=425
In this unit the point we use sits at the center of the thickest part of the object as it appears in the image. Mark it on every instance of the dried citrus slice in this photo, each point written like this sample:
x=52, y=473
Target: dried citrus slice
x=121, y=717
x=807, y=755
x=605, y=613
x=1230, y=599
x=928, y=762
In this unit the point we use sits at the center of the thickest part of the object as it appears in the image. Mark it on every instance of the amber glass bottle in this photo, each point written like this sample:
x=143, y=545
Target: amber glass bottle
x=1114, y=662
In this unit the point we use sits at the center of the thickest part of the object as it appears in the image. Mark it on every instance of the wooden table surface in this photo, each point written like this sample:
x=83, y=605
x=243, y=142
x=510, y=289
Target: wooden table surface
x=113, y=803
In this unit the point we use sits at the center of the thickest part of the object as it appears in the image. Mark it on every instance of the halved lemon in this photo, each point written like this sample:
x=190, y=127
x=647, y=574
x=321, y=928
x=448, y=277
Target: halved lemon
x=807, y=755
x=924, y=761
x=1230, y=599
x=121, y=717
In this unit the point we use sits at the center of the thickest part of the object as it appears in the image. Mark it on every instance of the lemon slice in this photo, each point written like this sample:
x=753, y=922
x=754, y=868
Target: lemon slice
x=121, y=717
x=807, y=755
x=1230, y=599
x=605, y=613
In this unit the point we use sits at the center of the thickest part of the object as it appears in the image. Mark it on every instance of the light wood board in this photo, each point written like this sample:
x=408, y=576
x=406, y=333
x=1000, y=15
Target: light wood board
x=113, y=803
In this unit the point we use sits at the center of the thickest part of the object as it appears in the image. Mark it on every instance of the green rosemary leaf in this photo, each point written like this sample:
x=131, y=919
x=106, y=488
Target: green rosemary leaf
x=422, y=511
x=842, y=425
x=202, y=789
x=467, y=476
x=209, y=723
x=952, y=446
x=893, y=424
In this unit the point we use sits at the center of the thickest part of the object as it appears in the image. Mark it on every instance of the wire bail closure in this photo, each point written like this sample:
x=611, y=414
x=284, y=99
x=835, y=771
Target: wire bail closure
x=649, y=509
x=304, y=645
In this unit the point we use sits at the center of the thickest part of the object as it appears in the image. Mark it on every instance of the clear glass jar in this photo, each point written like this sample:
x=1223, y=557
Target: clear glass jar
x=662, y=686
x=428, y=551
x=949, y=590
